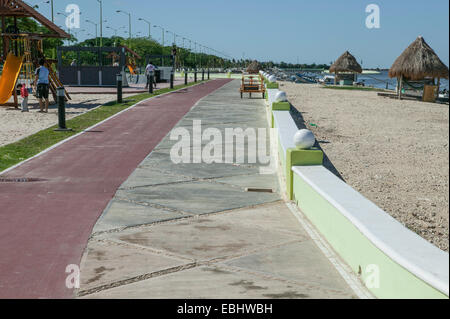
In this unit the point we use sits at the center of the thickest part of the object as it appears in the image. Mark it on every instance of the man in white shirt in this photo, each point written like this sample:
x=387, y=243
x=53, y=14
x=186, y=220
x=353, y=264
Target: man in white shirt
x=150, y=69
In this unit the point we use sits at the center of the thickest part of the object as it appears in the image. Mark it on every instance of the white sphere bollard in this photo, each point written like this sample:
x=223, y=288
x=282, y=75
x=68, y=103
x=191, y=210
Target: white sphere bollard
x=304, y=139
x=281, y=97
x=272, y=79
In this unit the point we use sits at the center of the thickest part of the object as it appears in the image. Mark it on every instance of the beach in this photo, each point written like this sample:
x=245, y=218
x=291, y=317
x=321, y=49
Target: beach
x=16, y=125
x=395, y=153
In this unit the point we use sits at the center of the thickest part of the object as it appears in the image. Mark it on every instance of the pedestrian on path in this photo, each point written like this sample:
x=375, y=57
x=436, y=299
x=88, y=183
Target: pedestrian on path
x=42, y=83
x=150, y=71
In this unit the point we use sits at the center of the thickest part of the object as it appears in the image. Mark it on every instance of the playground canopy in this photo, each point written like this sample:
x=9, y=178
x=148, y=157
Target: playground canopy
x=417, y=62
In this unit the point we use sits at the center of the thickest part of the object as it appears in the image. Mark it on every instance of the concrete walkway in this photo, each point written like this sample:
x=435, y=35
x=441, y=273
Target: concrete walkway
x=194, y=231
x=45, y=224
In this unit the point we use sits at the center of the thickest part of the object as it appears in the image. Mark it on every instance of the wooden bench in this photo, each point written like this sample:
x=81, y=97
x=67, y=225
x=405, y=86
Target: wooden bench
x=252, y=84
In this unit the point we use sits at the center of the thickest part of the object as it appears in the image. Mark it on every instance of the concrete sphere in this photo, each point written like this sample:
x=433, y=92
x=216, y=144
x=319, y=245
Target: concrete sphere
x=304, y=139
x=272, y=79
x=281, y=97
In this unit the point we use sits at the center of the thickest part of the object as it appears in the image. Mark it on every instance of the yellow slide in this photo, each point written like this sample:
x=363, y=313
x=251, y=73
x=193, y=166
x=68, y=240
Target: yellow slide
x=132, y=71
x=11, y=71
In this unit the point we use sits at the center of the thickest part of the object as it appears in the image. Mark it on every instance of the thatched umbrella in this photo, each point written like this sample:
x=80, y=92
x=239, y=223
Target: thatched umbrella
x=417, y=62
x=253, y=67
x=345, y=63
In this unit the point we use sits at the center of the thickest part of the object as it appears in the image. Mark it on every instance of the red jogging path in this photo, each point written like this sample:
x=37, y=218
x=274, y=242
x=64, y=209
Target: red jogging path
x=45, y=226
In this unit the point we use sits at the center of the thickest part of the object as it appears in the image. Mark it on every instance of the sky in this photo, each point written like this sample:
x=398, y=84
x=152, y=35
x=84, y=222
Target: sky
x=306, y=31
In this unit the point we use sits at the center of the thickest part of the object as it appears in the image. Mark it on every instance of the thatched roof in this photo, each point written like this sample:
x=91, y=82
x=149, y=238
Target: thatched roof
x=346, y=63
x=253, y=67
x=417, y=62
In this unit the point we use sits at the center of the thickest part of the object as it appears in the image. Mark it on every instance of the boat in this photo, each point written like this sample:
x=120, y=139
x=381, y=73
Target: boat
x=326, y=79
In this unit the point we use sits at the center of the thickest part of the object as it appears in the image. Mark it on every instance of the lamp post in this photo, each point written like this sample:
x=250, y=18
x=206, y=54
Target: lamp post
x=101, y=21
x=129, y=26
x=195, y=54
x=163, y=31
x=113, y=29
x=149, y=27
x=174, y=37
x=68, y=28
x=96, y=34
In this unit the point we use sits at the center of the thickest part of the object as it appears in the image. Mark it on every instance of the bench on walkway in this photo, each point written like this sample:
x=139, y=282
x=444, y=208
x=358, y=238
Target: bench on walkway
x=252, y=84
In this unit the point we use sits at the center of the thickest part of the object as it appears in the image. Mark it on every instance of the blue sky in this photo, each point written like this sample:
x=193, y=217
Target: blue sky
x=283, y=30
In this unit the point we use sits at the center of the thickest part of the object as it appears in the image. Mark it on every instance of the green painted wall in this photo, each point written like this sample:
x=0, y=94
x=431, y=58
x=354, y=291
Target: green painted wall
x=357, y=250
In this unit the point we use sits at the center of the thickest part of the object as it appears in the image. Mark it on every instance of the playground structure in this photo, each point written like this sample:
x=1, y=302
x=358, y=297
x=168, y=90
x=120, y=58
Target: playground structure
x=22, y=50
x=95, y=66
x=91, y=66
x=131, y=58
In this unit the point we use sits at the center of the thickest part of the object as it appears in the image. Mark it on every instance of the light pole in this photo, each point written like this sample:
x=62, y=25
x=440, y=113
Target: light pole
x=36, y=6
x=162, y=29
x=129, y=26
x=101, y=21
x=68, y=28
x=96, y=26
x=149, y=27
x=114, y=30
x=174, y=37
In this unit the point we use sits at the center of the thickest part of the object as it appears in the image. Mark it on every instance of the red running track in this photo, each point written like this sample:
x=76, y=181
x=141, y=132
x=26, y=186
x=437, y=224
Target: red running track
x=45, y=226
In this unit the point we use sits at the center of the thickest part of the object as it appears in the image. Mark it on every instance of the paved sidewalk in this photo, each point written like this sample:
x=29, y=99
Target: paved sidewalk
x=45, y=225
x=193, y=231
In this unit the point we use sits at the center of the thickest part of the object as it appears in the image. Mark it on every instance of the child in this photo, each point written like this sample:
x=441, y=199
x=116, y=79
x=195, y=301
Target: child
x=24, y=95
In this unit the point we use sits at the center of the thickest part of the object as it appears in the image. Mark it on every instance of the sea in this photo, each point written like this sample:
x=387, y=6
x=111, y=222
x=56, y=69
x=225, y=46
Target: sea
x=380, y=80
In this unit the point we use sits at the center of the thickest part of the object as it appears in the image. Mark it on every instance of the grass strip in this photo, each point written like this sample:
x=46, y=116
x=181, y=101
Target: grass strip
x=32, y=145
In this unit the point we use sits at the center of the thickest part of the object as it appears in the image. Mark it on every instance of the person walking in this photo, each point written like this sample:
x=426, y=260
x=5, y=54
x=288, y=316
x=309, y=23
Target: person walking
x=42, y=83
x=150, y=71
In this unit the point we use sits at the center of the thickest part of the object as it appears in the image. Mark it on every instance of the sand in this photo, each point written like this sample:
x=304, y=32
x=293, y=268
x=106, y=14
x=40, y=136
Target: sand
x=396, y=153
x=15, y=125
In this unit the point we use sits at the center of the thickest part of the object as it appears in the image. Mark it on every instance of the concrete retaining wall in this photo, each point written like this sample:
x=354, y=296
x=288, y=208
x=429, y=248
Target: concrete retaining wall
x=392, y=261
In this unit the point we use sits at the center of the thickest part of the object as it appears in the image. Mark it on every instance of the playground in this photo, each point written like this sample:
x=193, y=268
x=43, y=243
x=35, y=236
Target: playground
x=22, y=50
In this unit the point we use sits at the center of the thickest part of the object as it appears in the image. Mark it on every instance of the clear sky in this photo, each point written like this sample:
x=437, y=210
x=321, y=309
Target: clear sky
x=283, y=30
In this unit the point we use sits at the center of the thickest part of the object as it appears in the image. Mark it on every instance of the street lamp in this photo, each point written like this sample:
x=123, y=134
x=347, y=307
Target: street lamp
x=114, y=30
x=149, y=27
x=68, y=28
x=36, y=6
x=96, y=26
x=101, y=21
x=129, y=22
x=174, y=37
x=162, y=29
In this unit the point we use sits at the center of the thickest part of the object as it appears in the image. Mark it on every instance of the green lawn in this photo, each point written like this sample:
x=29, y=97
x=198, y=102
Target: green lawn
x=19, y=151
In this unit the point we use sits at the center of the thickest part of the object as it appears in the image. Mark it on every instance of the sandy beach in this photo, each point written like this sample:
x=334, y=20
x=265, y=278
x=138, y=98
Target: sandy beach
x=396, y=153
x=15, y=125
